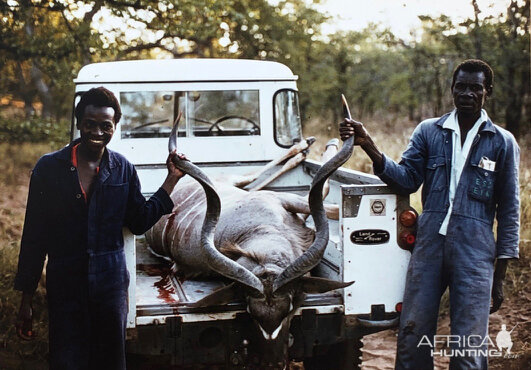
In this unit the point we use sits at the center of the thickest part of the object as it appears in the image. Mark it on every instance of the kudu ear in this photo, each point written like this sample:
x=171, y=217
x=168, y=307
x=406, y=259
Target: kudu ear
x=312, y=284
x=221, y=296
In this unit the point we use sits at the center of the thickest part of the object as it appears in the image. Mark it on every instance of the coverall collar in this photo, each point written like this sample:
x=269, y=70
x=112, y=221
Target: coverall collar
x=487, y=126
x=108, y=160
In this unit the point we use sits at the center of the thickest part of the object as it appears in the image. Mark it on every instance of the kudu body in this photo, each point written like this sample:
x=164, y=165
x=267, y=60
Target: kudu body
x=255, y=239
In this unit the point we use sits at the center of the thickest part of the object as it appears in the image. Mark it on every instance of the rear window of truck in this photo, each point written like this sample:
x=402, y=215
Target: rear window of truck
x=150, y=114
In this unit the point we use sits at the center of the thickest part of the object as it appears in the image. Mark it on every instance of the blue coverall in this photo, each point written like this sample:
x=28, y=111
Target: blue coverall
x=463, y=260
x=86, y=275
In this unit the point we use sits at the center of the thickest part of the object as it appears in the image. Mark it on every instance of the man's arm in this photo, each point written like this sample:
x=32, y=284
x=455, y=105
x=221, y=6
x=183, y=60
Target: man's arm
x=507, y=197
x=141, y=215
x=508, y=217
x=32, y=254
x=405, y=177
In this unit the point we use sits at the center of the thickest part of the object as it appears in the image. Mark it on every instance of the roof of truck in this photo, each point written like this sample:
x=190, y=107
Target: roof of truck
x=184, y=70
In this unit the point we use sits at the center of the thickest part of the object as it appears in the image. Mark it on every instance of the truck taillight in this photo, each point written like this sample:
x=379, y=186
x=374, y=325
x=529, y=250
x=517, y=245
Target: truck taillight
x=398, y=307
x=407, y=240
x=408, y=218
x=406, y=224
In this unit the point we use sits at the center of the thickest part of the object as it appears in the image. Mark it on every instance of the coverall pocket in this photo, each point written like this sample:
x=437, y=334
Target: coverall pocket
x=115, y=201
x=436, y=173
x=482, y=186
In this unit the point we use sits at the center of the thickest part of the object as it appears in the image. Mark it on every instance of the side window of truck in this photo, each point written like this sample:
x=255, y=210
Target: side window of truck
x=149, y=114
x=287, y=118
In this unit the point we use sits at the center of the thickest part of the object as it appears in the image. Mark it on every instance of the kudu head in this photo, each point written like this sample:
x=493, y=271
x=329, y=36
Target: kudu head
x=272, y=295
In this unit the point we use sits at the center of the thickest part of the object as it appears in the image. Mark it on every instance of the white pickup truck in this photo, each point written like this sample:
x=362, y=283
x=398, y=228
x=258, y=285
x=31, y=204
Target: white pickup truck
x=238, y=115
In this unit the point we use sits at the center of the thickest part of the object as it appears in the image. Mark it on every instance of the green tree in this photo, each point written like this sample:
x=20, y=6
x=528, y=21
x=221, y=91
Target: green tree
x=381, y=73
x=377, y=71
x=39, y=65
x=503, y=42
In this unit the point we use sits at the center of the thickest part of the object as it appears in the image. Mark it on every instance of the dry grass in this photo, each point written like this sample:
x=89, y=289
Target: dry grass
x=15, y=169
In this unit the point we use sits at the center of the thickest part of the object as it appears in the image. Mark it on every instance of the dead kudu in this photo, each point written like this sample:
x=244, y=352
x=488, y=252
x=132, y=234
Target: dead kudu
x=257, y=240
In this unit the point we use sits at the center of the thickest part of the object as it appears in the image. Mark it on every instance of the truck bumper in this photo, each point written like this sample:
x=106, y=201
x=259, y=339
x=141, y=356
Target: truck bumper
x=232, y=343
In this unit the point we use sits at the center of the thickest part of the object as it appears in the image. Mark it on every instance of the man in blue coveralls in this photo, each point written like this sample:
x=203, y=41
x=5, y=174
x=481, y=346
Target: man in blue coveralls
x=79, y=199
x=469, y=170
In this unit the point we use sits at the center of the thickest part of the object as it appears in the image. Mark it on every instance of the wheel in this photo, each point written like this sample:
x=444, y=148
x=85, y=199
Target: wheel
x=345, y=355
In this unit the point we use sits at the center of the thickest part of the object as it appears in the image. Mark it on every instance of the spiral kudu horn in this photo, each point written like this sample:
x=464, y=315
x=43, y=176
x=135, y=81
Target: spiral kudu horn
x=214, y=259
x=312, y=256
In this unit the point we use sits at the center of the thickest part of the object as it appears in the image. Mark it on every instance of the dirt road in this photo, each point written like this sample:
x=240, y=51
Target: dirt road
x=379, y=349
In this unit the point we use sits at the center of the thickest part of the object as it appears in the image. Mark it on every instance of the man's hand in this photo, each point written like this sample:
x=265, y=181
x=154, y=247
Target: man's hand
x=497, y=284
x=349, y=127
x=24, y=323
x=497, y=294
x=174, y=174
x=172, y=170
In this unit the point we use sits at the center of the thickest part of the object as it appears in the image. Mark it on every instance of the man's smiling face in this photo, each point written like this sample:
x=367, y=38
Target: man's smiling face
x=96, y=127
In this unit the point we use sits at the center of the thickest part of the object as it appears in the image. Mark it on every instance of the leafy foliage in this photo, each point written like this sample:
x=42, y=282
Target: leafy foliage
x=35, y=130
x=377, y=71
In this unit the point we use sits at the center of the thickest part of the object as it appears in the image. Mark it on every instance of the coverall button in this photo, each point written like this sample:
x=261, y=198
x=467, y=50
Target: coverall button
x=72, y=168
x=434, y=165
x=78, y=196
x=486, y=173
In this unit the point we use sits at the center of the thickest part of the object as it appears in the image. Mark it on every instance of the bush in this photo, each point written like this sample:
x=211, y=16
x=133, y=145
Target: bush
x=35, y=131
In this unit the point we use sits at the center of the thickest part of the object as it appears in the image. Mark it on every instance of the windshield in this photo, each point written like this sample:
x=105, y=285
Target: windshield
x=148, y=114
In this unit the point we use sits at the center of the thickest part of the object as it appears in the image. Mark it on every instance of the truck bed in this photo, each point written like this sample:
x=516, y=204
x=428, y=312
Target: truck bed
x=159, y=292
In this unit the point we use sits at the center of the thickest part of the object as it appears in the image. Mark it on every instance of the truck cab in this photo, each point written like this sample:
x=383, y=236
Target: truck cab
x=237, y=116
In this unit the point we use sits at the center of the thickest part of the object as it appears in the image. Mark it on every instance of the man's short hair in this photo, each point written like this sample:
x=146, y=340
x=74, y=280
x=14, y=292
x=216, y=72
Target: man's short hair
x=98, y=97
x=476, y=65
